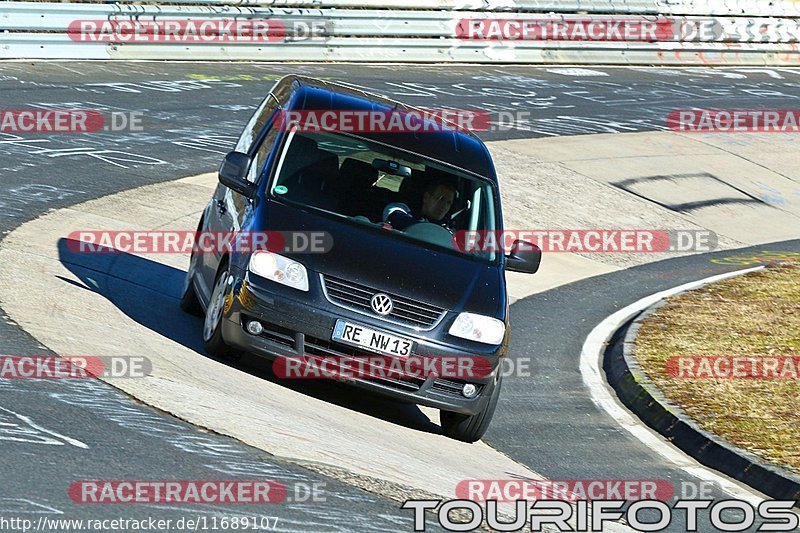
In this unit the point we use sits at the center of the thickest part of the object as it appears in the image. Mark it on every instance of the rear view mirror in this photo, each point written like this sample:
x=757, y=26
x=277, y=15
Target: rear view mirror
x=391, y=167
x=233, y=173
x=525, y=257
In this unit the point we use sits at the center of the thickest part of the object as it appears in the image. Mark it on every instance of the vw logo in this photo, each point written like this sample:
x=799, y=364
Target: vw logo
x=381, y=304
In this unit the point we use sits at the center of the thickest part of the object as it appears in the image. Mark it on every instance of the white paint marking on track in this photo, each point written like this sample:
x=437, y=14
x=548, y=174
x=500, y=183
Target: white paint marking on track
x=27, y=420
x=575, y=71
x=604, y=397
x=25, y=506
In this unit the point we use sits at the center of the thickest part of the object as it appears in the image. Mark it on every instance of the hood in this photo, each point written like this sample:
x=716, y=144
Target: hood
x=373, y=257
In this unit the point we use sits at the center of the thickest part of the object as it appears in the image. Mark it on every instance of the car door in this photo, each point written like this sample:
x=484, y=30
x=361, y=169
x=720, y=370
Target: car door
x=227, y=209
x=242, y=211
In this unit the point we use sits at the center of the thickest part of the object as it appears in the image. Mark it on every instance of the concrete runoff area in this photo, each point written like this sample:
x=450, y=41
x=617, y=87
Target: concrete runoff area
x=743, y=186
x=120, y=304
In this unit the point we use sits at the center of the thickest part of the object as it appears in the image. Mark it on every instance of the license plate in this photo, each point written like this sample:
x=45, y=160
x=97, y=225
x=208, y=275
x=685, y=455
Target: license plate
x=370, y=339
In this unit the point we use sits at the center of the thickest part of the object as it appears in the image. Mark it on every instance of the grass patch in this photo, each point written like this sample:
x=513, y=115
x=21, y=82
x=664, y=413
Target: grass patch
x=756, y=315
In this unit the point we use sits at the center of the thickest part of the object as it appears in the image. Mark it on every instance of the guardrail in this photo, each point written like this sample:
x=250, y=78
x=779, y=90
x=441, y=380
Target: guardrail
x=714, y=32
x=748, y=8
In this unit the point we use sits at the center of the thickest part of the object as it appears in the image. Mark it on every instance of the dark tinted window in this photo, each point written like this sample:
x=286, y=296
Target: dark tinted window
x=256, y=124
x=362, y=180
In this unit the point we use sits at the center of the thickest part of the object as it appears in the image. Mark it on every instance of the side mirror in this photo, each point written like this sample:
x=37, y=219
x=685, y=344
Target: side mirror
x=233, y=173
x=525, y=257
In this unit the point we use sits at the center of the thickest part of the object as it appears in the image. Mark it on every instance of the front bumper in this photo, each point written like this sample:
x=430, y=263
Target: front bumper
x=295, y=328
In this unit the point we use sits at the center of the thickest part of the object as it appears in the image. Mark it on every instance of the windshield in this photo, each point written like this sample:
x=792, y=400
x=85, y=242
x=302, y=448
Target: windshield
x=378, y=185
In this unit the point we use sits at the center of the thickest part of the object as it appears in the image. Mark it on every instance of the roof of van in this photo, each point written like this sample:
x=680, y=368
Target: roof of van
x=457, y=147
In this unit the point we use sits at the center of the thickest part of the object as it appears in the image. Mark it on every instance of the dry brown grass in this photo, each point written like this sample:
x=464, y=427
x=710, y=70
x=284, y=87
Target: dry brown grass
x=757, y=314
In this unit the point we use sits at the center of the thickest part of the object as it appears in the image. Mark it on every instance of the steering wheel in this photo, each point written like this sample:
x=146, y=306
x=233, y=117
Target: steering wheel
x=432, y=233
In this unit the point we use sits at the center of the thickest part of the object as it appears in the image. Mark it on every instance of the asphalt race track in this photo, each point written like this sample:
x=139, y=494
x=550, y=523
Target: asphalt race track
x=55, y=432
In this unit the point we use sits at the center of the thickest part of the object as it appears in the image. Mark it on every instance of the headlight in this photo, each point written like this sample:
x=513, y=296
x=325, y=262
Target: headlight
x=279, y=269
x=478, y=328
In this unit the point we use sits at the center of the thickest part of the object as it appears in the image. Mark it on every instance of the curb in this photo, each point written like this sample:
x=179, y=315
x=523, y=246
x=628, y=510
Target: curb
x=640, y=395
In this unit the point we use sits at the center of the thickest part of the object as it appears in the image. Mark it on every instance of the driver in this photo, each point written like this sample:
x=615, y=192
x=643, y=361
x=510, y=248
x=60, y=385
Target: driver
x=437, y=199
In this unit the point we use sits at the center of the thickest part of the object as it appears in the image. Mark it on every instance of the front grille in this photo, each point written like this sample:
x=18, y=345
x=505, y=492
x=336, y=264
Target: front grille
x=405, y=311
x=320, y=349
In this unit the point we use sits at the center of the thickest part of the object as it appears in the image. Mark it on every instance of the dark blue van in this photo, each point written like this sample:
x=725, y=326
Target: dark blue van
x=393, y=284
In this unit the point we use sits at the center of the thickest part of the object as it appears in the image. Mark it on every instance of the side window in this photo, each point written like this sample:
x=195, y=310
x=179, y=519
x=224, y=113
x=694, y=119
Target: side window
x=256, y=123
x=262, y=154
x=243, y=207
x=282, y=91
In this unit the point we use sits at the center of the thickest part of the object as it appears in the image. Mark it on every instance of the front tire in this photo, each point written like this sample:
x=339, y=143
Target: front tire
x=212, y=325
x=470, y=428
x=190, y=303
